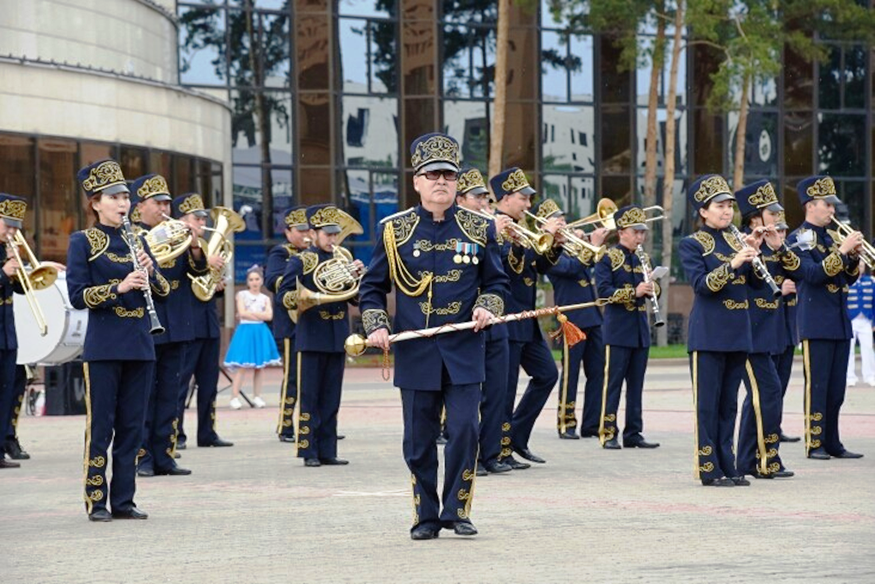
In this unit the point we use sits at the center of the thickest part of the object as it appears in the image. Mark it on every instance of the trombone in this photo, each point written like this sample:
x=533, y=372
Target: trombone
x=604, y=216
x=40, y=277
x=867, y=251
x=575, y=246
x=539, y=242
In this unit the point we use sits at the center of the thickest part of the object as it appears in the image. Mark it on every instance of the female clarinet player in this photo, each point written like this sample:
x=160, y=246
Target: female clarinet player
x=112, y=274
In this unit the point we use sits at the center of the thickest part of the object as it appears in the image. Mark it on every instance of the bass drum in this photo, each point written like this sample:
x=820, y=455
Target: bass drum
x=66, y=327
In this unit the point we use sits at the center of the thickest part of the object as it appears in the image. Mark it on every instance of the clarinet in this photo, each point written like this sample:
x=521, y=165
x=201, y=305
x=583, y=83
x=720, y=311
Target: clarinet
x=759, y=267
x=134, y=243
x=654, y=302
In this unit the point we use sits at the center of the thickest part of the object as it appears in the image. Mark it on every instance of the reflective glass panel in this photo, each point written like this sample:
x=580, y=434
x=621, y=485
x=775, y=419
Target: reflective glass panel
x=314, y=128
x=159, y=163
x=354, y=54
x=554, y=73
x=18, y=176
x=841, y=144
x=60, y=198
x=852, y=194
x=798, y=143
x=420, y=117
x=855, y=77
x=382, y=8
x=829, y=85
x=249, y=184
x=616, y=85
x=418, y=39
x=370, y=131
x=465, y=12
x=680, y=165
x=133, y=161
x=618, y=189
x=469, y=60
x=202, y=46
x=761, y=143
x=615, y=146
x=568, y=138
x=383, y=51
x=246, y=134
x=709, y=143
x=183, y=175
x=312, y=44
x=274, y=53
x=797, y=81
x=468, y=122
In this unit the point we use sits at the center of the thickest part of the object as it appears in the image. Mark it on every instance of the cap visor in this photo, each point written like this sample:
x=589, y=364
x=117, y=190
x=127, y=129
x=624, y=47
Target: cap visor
x=114, y=189
x=159, y=197
x=12, y=222
x=528, y=191
x=640, y=227
x=437, y=165
x=774, y=208
x=781, y=226
x=301, y=227
x=831, y=199
x=331, y=229
x=475, y=191
x=719, y=198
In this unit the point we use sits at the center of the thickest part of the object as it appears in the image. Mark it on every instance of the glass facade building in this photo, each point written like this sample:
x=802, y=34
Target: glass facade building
x=328, y=94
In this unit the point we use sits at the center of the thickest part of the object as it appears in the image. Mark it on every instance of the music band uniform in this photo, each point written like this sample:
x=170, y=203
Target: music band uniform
x=118, y=354
x=159, y=436
x=719, y=335
x=441, y=270
x=760, y=427
x=283, y=327
x=824, y=325
x=788, y=341
x=201, y=355
x=11, y=444
x=573, y=283
x=319, y=336
x=626, y=333
x=525, y=341
x=12, y=210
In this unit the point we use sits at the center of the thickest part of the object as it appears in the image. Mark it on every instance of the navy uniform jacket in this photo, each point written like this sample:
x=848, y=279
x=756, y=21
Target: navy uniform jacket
x=277, y=261
x=573, y=284
x=767, y=327
x=522, y=265
x=426, y=245
x=205, y=318
x=719, y=320
x=98, y=259
x=617, y=275
x=322, y=328
x=822, y=285
x=790, y=336
x=8, y=286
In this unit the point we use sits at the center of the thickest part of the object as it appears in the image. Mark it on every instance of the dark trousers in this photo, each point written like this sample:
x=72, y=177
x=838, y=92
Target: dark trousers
x=716, y=377
x=319, y=388
x=784, y=367
x=422, y=424
x=201, y=361
x=623, y=364
x=760, y=427
x=537, y=361
x=288, y=391
x=7, y=391
x=826, y=367
x=20, y=387
x=492, y=400
x=590, y=352
x=116, y=393
x=159, y=435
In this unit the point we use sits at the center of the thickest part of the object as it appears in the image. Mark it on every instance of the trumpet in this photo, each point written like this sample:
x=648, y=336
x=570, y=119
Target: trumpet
x=337, y=280
x=225, y=221
x=39, y=277
x=134, y=244
x=646, y=272
x=759, y=267
x=539, y=242
x=866, y=251
x=575, y=246
x=168, y=240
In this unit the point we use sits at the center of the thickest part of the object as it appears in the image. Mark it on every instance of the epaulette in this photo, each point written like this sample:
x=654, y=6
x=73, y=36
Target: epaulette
x=402, y=224
x=473, y=225
x=394, y=215
x=291, y=250
x=618, y=258
x=98, y=240
x=310, y=261
x=705, y=240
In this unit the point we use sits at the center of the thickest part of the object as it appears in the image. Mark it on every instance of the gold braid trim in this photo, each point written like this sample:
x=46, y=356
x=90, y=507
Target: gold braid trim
x=372, y=319
x=718, y=278
x=515, y=264
x=290, y=300
x=705, y=240
x=398, y=272
x=832, y=264
x=97, y=295
x=623, y=295
x=160, y=286
x=98, y=240
x=310, y=261
x=472, y=225
x=790, y=261
x=491, y=302
x=617, y=259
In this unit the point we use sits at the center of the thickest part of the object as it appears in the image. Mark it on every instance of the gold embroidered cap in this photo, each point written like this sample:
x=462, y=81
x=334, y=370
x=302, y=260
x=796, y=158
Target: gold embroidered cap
x=102, y=177
x=470, y=182
x=188, y=203
x=756, y=197
x=817, y=188
x=631, y=216
x=151, y=186
x=435, y=151
x=548, y=208
x=325, y=217
x=12, y=210
x=708, y=188
x=509, y=181
x=296, y=218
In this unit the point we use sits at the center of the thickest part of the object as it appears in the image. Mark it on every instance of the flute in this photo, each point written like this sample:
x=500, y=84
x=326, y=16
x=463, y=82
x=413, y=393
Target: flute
x=758, y=265
x=134, y=243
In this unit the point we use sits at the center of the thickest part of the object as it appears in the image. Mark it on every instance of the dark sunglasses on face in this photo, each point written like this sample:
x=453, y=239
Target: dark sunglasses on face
x=449, y=175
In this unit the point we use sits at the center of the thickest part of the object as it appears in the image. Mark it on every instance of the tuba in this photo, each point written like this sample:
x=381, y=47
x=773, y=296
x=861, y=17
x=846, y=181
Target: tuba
x=225, y=222
x=168, y=240
x=38, y=277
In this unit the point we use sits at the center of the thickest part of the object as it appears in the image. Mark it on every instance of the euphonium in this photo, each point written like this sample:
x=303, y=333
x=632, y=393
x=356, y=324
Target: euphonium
x=38, y=277
x=168, y=240
x=225, y=221
x=867, y=251
x=337, y=280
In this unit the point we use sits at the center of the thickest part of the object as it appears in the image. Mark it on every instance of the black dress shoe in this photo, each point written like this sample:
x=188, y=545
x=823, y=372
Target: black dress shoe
x=132, y=513
x=480, y=472
x=783, y=474
x=8, y=463
x=740, y=481
x=333, y=461
x=15, y=451
x=175, y=471
x=589, y=434
x=341, y=436
x=640, y=444
x=312, y=462
x=568, y=435
x=145, y=471
x=819, y=454
x=100, y=515
x=424, y=532
x=529, y=455
x=612, y=444
x=464, y=528
x=785, y=438
x=284, y=438
x=847, y=454
x=759, y=475
x=217, y=443
x=515, y=464
x=497, y=467
x=181, y=443
x=721, y=482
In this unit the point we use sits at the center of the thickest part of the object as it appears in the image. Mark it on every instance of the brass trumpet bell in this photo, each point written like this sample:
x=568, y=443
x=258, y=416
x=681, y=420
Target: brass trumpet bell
x=603, y=216
x=867, y=251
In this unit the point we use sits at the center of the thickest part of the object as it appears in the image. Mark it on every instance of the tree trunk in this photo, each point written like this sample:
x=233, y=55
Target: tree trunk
x=499, y=106
x=668, y=181
x=740, y=134
x=262, y=123
x=657, y=60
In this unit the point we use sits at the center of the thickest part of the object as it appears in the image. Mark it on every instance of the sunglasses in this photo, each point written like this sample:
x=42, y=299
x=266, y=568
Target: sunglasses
x=449, y=175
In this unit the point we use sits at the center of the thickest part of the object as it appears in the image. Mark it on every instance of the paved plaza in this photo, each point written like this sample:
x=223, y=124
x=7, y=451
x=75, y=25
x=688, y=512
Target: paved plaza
x=253, y=513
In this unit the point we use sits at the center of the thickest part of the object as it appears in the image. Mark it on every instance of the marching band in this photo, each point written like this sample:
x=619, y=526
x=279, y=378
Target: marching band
x=464, y=273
